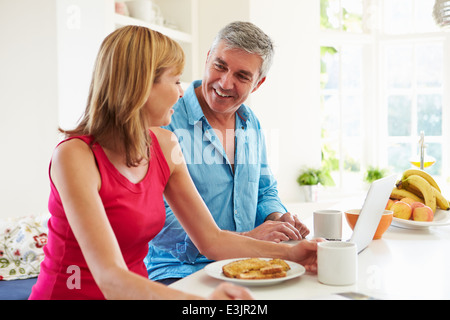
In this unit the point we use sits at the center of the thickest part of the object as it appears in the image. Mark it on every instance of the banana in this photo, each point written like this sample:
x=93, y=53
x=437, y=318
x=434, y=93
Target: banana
x=422, y=174
x=440, y=200
x=399, y=194
x=411, y=188
x=424, y=186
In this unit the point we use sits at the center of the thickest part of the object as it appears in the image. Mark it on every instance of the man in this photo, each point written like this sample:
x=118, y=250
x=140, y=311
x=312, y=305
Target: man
x=225, y=151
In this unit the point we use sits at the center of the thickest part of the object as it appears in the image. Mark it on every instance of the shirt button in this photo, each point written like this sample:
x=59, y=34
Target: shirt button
x=235, y=211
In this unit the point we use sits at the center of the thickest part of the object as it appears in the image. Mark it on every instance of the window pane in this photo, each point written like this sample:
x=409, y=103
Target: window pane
x=424, y=19
x=429, y=60
x=398, y=16
x=352, y=13
x=330, y=116
x=351, y=116
x=329, y=14
x=429, y=114
x=435, y=150
x=398, y=156
x=330, y=158
x=399, y=116
x=352, y=149
x=351, y=67
x=330, y=155
x=398, y=66
x=329, y=68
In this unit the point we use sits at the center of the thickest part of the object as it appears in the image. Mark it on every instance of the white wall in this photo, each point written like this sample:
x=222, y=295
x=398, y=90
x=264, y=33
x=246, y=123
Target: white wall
x=81, y=27
x=46, y=60
x=30, y=82
x=28, y=101
x=214, y=15
x=287, y=104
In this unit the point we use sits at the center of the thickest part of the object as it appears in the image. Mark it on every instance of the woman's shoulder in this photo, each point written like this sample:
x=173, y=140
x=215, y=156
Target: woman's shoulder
x=168, y=143
x=164, y=136
x=72, y=150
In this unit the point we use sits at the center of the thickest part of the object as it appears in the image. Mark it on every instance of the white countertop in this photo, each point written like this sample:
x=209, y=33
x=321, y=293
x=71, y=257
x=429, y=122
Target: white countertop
x=404, y=264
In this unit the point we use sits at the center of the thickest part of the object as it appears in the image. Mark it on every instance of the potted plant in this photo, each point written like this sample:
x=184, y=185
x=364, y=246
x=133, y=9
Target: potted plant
x=374, y=173
x=309, y=181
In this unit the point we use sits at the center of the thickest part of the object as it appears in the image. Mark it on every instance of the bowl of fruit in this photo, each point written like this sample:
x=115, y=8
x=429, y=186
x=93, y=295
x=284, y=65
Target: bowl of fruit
x=417, y=201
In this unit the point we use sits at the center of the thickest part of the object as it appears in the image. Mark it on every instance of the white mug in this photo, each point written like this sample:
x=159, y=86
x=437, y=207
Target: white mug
x=144, y=10
x=328, y=224
x=337, y=263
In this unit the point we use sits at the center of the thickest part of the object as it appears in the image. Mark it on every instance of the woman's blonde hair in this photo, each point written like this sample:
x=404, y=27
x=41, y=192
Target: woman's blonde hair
x=130, y=60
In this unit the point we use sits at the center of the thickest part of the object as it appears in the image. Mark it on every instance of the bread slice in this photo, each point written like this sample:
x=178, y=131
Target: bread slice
x=257, y=274
x=255, y=268
x=233, y=269
x=281, y=263
x=273, y=268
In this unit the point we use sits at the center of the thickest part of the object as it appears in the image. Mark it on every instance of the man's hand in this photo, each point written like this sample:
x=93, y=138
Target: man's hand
x=279, y=227
x=275, y=231
x=293, y=220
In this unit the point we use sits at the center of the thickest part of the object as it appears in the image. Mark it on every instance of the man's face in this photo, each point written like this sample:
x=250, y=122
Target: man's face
x=230, y=76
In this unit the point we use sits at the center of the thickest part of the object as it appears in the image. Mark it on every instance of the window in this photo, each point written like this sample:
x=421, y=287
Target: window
x=382, y=83
x=413, y=56
x=344, y=15
x=342, y=110
x=342, y=89
x=413, y=96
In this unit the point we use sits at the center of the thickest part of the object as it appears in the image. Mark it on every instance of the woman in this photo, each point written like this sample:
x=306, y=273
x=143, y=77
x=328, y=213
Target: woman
x=109, y=176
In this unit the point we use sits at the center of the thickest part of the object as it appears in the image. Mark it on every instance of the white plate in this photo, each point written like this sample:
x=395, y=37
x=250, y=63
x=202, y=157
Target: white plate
x=215, y=270
x=441, y=218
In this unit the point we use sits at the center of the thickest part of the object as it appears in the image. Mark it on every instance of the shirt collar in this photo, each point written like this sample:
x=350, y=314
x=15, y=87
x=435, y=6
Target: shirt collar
x=194, y=110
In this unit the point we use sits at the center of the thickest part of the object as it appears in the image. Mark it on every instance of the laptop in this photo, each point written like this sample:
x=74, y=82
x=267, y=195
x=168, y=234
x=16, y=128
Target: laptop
x=371, y=212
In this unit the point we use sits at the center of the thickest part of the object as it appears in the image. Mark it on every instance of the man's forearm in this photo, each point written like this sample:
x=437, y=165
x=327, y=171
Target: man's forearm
x=274, y=216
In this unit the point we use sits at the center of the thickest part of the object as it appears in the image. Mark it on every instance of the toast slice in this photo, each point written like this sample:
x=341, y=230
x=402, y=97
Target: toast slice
x=273, y=268
x=257, y=274
x=255, y=268
x=235, y=268
x=281, y=263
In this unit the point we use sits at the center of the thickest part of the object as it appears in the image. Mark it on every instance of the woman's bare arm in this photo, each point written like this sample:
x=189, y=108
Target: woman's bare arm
x=76, y=177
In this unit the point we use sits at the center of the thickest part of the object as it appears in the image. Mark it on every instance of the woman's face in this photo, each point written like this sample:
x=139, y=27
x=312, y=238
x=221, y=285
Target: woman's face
x=164, y=94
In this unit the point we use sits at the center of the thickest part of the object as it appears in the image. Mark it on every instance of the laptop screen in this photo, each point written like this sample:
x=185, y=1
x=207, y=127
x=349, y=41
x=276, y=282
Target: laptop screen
x=371, y=212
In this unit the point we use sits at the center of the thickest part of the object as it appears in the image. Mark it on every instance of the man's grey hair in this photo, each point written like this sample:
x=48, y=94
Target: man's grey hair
x=246, y=36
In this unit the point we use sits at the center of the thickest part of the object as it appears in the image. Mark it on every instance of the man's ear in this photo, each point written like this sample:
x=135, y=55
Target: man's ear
x=207, y=56
x=259, y=84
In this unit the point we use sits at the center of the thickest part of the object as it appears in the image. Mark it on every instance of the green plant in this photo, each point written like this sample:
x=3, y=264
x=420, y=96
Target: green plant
x=311, y=176
x=374, y=173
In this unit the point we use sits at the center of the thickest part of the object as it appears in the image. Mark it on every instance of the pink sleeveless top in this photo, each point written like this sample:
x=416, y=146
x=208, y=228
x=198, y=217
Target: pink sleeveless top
x=135, y=211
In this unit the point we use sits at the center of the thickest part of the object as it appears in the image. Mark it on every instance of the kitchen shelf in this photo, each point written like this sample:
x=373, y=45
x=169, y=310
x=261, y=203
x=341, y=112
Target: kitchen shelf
x=121, y=20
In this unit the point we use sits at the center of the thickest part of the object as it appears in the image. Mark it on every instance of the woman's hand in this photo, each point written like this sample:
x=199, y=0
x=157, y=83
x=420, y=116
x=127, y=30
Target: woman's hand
x=228, y=291
x=305, y=253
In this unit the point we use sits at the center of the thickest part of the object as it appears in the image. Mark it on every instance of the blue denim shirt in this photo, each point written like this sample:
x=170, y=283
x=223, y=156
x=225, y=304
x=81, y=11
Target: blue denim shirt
x=238, y=201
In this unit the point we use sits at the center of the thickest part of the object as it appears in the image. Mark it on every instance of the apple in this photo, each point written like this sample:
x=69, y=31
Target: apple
x=424, y=213
x=389, y=204
x=408, y=200
x=402, y=210
x=416, y=205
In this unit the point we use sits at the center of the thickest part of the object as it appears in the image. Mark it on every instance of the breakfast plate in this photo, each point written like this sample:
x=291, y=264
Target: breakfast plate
x=214, y=270
x=441, y=218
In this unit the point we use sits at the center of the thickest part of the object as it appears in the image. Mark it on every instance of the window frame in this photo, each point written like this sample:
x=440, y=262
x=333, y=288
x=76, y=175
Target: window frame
x=375, y=135
x=384, y=93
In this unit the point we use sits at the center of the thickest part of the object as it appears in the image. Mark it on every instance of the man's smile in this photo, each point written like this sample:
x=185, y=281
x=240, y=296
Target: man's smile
x=221, y=93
